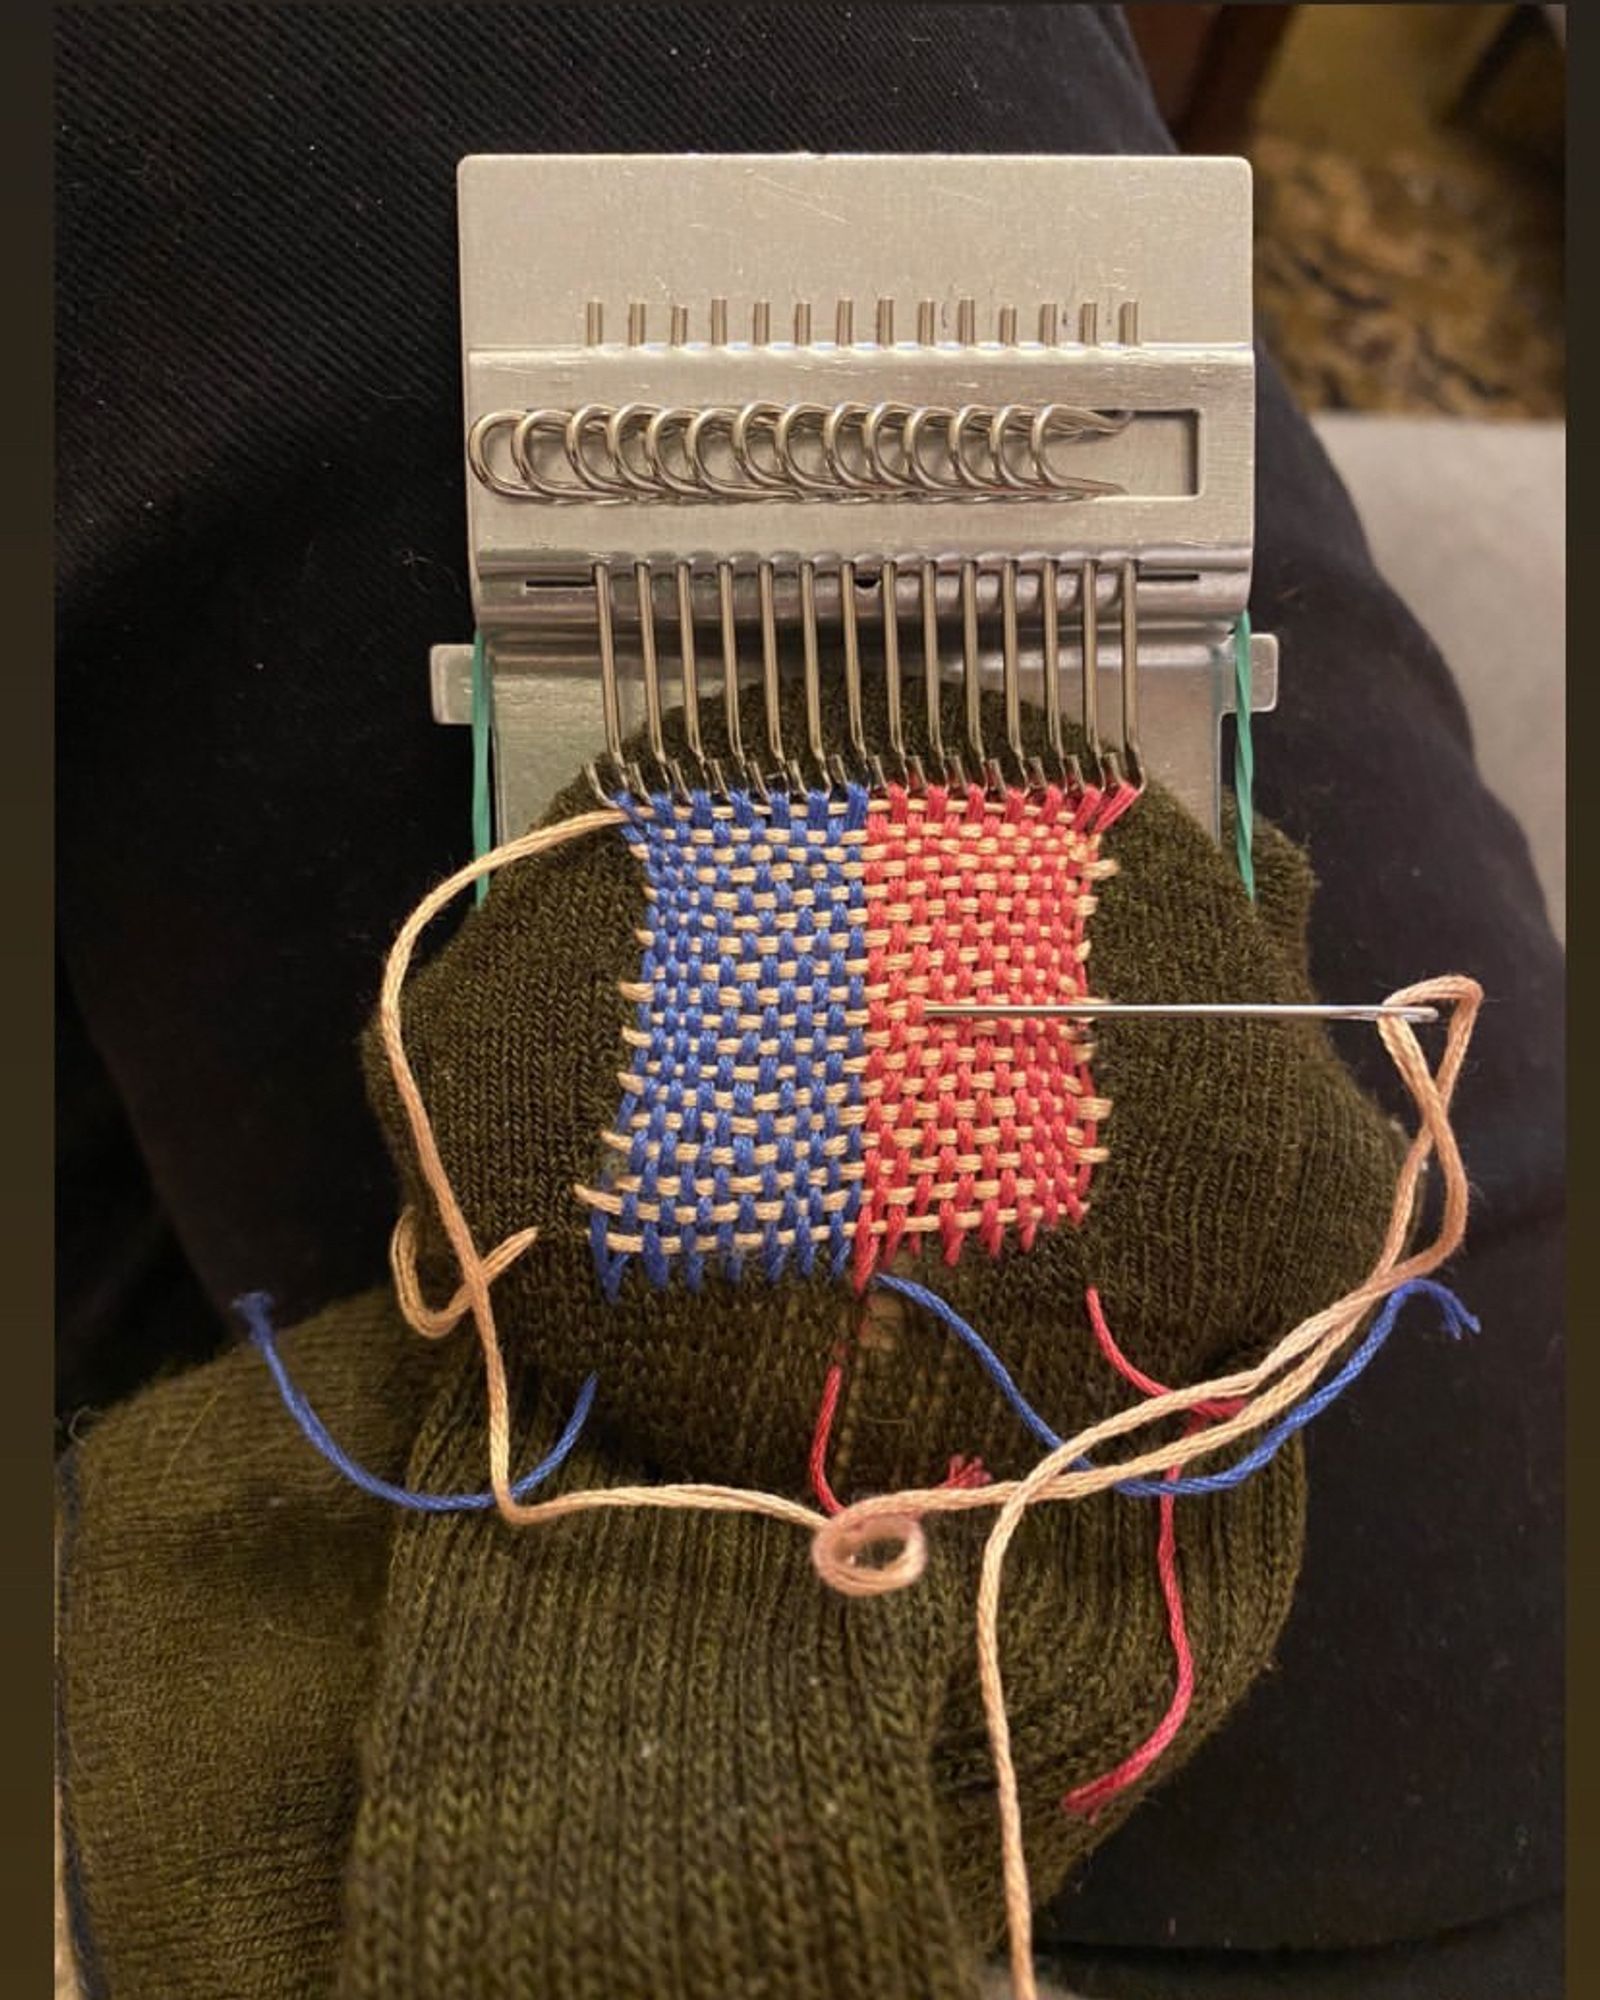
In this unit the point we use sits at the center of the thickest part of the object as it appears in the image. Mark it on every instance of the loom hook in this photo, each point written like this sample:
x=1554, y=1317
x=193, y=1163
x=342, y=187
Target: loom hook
x=1011, y=672
x=986, y=770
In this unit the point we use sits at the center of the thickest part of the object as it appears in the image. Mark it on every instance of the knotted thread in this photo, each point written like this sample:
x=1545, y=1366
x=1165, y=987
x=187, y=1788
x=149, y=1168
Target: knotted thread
x=1261, y=1391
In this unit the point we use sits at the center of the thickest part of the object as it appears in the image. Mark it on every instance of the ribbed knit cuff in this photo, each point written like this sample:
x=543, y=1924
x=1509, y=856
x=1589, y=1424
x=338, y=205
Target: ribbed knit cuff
x=646, y=1756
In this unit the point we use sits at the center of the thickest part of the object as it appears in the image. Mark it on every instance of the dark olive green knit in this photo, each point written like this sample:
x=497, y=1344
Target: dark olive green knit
x=646, y=1755
x=654, y=1758
x=221, y=1592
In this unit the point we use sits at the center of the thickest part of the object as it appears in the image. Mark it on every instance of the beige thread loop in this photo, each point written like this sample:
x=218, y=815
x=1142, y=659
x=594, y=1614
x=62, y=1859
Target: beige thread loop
x=434, y=1321
x=1267, y=1388
x=837, y=1544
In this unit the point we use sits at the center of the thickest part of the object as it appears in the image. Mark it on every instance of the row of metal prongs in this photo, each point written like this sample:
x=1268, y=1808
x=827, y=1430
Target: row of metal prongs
x=818, y=763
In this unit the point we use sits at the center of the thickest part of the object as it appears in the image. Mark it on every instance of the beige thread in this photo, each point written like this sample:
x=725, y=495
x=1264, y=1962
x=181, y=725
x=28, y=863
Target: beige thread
x=1266, y=1389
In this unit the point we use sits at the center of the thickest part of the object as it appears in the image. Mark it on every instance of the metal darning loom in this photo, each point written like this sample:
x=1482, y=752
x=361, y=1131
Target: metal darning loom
x=899, y=420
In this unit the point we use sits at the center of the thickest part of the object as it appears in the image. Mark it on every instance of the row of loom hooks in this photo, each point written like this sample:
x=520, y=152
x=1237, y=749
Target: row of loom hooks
x=1114, y=769
x=798, y=451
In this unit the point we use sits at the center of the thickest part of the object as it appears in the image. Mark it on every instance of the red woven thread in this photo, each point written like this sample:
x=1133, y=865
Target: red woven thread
x=1090, y=1798
x=969, y=898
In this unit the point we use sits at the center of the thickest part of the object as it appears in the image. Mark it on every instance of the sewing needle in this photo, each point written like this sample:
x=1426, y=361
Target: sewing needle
x=1079, y=1010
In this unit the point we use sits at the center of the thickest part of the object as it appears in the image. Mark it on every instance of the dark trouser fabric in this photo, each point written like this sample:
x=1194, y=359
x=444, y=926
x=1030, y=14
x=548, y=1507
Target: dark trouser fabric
x=261, y=533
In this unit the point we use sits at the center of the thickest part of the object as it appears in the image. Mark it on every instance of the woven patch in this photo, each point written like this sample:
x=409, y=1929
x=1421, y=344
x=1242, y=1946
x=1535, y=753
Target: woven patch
x=975, y=1133
x=786, y=1098
x=739, y=1130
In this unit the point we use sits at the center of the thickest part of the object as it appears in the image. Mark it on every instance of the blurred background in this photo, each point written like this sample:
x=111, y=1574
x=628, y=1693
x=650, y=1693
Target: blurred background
x=1410, y=217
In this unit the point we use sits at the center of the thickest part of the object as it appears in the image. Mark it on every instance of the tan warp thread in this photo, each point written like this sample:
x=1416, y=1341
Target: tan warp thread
x=1268, y=1388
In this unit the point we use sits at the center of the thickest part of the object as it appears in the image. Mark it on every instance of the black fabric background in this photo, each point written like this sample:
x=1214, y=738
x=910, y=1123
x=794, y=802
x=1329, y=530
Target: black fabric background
x=261, y=531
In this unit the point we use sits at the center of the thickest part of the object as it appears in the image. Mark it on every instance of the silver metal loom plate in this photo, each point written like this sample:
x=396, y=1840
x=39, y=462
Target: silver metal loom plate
x=1116, y=283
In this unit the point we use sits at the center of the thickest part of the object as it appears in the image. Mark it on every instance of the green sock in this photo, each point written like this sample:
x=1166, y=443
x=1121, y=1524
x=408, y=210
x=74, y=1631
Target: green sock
x=653, y=1755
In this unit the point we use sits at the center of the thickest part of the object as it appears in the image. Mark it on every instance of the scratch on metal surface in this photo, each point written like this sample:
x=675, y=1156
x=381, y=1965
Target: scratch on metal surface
x=800, y=200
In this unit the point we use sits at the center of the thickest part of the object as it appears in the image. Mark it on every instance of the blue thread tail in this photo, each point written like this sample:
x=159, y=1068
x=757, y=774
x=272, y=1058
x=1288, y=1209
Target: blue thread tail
x=255, y=1308
x=1457, y=1320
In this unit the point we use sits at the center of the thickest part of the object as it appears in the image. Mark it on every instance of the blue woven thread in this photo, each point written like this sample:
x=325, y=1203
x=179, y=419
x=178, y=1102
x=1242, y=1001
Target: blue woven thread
x=1457, y=1320
x=795, y=925
x=255, y=1308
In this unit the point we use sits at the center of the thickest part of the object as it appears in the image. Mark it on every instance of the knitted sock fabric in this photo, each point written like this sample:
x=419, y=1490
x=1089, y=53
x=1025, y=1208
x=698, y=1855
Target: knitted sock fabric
x=652, y=1755
x=654, y=1759
x=1247, y=1184
x=220, y=1595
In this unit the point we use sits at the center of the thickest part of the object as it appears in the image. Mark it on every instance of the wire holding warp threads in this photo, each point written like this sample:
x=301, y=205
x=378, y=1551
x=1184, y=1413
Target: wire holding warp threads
x=719, y=453
x=1266, y=1389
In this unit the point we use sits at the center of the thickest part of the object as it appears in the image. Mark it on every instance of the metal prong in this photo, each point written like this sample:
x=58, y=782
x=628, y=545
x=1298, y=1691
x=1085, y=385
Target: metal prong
x=761, y=323
x=889, y=585
x=886, y=322
x=730, y=665
x=813, y=671
x=1050, y=621
x=610, y=702
x=802, y=325
x=1006, y=326
x=642, y=583
x=971, y=684
x=966, y=321
x=1210, y=1010
x=1128, y=323
x=1089, y=614
x=930, y=668
x=594, y=323
x=852, y=666
x=719, y=322
x=1088, y=323
x=844, y=323
x=678, y=325
x=1049, y=324
x=691, y=674
x=769, y=663
x=1011, y=666
x=927, y=322
x=636, y=323
x=1130, y=672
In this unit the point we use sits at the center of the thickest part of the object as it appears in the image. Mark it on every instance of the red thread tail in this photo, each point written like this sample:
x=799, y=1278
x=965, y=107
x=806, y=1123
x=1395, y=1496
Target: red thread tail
x=1099, y=1792
x=818, y=1463
x=967, y=1472
x=1087, y=1800
x=1146, y=1384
